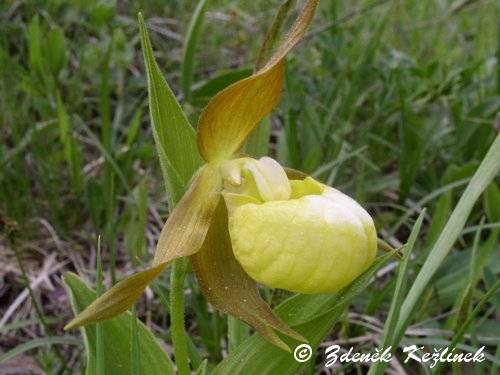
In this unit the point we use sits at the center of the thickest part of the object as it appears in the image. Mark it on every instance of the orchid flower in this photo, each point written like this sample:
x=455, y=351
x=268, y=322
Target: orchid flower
x=243, y=220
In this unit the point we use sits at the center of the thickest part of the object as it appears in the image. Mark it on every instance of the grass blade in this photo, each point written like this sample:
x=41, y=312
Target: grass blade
x=258, y=142
x=35, y=343
x=392, y=317
x=191, y=41
x=99, y=342
x=460, y=332
x=273, y=34
x=72, y=153
x=484, y=175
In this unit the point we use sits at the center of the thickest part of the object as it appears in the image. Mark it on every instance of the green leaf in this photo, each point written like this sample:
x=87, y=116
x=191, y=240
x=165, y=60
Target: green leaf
x=206, y=89
x=414, y=134
x=192, y=38
x=72, y=153
x=117, y=333
x=174, y=137
x=440, y=217
x=311, y=315
x=492, y=202
x=55, y=50
x=258, y=142
x=273, y=34
x=35, y=50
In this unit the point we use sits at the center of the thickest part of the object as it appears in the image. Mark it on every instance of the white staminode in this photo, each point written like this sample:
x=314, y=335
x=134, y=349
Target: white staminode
x=270, y=179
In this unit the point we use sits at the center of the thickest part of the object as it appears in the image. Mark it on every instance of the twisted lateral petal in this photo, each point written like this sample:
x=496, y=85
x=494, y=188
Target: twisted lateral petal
x=295, y=34
x=187, y=226
x=116, y=300
x=182, y=235
x=228, y=287
x=230, y=117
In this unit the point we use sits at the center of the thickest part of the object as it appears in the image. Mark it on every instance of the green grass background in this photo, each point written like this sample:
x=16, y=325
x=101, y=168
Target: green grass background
x=393, y=102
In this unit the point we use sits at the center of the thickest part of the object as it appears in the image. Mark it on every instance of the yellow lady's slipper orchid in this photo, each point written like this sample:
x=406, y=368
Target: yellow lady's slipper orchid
x=296, y=235
x=281, y=230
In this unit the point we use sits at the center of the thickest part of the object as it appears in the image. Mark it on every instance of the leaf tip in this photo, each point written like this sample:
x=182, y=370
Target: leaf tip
x=72, y=324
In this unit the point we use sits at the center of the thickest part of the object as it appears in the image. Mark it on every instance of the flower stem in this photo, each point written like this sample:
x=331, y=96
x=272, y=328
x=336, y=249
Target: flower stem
x=177, y=316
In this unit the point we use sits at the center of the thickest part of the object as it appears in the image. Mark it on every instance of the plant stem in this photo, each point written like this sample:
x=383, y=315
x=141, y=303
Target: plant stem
x=177, y=316
x=99, y=343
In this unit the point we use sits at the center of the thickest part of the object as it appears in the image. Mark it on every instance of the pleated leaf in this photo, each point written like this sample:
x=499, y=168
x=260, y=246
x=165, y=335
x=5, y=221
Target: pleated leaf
x=174, y=136
x=116, y=337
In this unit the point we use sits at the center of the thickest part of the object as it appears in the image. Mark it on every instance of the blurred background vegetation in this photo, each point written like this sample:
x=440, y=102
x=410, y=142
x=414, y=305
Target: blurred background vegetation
x=393, y=102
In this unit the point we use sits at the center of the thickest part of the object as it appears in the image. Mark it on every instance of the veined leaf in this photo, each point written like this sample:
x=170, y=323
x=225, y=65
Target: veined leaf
x=116, y=334
x=229, y=118
x=174, y=136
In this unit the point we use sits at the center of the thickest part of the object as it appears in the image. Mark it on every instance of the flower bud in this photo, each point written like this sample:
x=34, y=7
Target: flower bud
x=306, y=237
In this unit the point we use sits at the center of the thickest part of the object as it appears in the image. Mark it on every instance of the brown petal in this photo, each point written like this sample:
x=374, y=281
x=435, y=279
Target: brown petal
x=227, y=286
x=182, y=235
x=186, y=227
x=116, y=300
